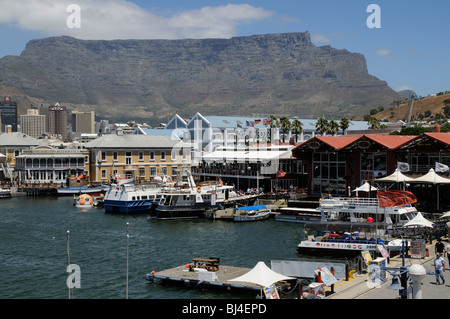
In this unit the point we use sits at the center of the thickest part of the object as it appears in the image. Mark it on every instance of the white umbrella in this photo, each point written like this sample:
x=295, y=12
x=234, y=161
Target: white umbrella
x=262, y=275
x=396, y=177
x=365, y=188
x=446, y=215
x=431, y=178
x=419, y=220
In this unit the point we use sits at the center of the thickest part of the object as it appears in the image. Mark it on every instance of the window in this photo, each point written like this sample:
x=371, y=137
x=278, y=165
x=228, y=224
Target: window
x=103, y=173
x=103, y=156
x=174, y=156
x=141, y=171
x=153, y=171
x=128, y=158
x=163, y=156
x=152, y=156
x=141, y=156
x=115, y=156
x=164, y=170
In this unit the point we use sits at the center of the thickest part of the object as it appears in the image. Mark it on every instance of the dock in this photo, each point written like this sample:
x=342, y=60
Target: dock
x=182, y=275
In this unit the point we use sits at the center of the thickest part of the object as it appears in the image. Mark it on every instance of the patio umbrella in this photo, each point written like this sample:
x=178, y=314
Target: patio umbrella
x=419, y=221
x=396, y=177
x=366, y=187
x=432, y=178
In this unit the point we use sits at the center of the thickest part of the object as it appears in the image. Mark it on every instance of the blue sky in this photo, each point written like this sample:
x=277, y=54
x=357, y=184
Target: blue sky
x=410, y=50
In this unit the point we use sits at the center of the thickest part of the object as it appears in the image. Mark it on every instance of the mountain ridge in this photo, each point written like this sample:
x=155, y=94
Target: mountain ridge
x=281, y=73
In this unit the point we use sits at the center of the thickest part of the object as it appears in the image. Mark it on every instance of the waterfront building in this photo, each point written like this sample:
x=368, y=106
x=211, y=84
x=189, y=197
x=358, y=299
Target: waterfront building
x=46, y=164
x=262, y=166
x=57, y=120
x=32, y=123
x=8, y=114
x=337, y=165
x=142, y=157
x=11, y=146
x=83, y=122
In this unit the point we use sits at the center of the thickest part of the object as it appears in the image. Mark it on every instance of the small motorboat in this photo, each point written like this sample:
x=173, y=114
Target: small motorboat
x=251, y=213
x=84, y=201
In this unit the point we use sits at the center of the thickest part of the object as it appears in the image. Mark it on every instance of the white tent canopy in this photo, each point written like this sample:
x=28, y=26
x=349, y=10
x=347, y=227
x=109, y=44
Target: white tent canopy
x=365, y=188
x=420, y=221
x=396, y=177
x=432, y=178
x=446, y=215
x=262, y=275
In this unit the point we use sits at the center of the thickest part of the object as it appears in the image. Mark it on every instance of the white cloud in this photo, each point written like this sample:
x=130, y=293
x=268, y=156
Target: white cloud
x=404, y=88
x=117, y=19
x=386, y=53
x=320, y=38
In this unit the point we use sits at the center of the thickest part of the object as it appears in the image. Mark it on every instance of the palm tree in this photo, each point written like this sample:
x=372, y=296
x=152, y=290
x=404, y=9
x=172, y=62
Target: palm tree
x=297, y=128
x=344, y=124
x=322, y=125
x=273, y=121
x=333, y=127
x=373, y=123
x=285, y=126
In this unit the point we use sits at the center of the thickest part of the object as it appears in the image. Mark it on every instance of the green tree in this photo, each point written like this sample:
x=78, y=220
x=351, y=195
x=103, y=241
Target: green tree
x=333, y=127
x=322, y=125
x=373, y=123
x=297, y=128
x=344, y=124
x=285, y=126
x=274, y=121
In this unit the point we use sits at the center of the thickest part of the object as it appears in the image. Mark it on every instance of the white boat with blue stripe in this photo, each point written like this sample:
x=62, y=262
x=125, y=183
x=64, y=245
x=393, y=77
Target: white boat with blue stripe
x=129, y=199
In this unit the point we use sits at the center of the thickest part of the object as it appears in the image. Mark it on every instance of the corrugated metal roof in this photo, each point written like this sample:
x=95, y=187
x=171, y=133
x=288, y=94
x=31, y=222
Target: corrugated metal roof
x=17, y=139
x=391, y=141
x=129, y=141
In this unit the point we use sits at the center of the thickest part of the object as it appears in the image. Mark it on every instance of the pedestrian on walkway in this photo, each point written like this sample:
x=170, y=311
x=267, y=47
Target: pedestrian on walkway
x=439, y=247
x=447, y=248
x=439, y=268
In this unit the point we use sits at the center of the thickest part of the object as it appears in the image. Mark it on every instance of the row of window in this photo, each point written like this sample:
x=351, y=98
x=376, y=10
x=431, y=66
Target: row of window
x=128, y=156
x=154, y=171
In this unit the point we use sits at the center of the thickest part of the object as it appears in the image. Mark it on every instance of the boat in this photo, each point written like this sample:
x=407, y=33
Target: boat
x=391, y=208
x=298, y=215
x=5, y=193
x=193, y=200
x=251, y=213
x=84, y=201
x=128, y=198
x=76, y=190
x=335, y=245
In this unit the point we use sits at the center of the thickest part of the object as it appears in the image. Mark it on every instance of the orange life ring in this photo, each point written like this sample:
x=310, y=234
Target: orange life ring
x=199, y=188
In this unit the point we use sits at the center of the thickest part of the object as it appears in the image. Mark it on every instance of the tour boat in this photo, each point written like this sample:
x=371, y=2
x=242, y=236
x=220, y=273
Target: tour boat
x=128, y=198
x=391, y=208
x=334, y=245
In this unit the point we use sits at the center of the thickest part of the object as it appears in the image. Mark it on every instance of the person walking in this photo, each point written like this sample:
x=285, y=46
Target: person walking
x=439, y=268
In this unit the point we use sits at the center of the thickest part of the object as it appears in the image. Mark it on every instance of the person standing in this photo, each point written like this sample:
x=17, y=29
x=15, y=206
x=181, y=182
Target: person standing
x=439, y=268
x=447, y=248
x=439, y=247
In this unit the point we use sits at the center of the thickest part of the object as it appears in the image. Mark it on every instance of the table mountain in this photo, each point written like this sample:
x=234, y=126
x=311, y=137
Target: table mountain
x=270, y=73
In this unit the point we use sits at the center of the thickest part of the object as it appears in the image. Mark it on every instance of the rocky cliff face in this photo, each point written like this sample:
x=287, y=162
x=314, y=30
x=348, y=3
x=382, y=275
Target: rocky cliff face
x=272, y=74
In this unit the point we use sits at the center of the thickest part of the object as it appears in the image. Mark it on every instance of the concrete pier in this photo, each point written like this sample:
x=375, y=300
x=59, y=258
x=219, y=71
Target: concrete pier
x=181, y=274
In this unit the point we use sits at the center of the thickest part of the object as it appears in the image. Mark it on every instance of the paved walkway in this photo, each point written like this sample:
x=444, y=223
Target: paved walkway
x=360, y=288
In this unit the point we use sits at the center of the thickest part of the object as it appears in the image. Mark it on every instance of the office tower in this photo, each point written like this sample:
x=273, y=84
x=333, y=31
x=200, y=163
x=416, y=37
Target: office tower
x=8, y=112
x=32, y=123
x=83, y=122
x=57, y=120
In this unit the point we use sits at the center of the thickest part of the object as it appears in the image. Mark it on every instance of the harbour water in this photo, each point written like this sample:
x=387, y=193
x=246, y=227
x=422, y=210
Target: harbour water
x=34, y=255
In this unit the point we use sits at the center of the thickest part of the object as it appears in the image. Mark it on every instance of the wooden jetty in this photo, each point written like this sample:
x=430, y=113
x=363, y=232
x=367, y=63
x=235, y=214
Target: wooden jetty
x=219, y=278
